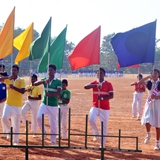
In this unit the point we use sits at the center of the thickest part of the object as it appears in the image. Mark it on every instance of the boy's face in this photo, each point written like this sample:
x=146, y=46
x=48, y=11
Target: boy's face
x=33, y=79
x=14, y=72
x=139, y=78
x=51, y=72
x=64, y=86
x=155, y=75
x=100, y=74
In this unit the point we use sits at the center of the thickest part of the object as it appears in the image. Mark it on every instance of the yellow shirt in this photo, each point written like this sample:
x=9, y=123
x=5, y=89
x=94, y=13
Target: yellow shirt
x=35, y=91
x=14, y=98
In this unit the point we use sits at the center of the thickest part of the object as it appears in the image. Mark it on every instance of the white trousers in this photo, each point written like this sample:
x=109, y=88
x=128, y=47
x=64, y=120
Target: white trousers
x=63, y=115
x=15, y=113
x=52, y=112
x=33, y=107
x=1, y=113
x=137, y=103
x=104, y=116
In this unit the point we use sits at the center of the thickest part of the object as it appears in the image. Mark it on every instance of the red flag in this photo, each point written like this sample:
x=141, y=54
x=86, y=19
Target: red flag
x=133, y=66
x=87, y=52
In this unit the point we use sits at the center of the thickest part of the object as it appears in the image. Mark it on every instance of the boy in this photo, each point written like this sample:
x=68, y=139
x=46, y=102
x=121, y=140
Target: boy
x=64, y=99
x=34, y=95
x=49, y=106
x=102, y=93
x=15, y=89
x=137, y=97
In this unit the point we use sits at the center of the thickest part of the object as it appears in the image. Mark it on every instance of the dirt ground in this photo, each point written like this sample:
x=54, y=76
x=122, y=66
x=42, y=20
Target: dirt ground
x=120, y=118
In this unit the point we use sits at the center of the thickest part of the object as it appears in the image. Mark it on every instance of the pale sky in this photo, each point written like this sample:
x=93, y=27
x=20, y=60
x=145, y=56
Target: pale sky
x=82, y=16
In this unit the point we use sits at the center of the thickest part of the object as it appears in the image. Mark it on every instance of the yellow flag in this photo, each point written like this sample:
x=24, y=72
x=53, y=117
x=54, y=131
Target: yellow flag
x=6, y=36
x=22, y=43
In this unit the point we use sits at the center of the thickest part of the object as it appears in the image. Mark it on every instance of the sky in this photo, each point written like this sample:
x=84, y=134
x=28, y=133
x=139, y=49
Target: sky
x=82, y=16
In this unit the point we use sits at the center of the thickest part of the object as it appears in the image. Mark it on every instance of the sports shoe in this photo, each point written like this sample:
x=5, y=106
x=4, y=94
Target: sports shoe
x=95, y=139
x=8, y=136
x=147, y=139
x=15, y=143
x=34, y=136
x=133, y=116
x=138, y=118
x=101, y=146
x=156, y=147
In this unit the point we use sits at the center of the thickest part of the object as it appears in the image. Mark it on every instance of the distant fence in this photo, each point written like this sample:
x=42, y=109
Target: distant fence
x=85, y=146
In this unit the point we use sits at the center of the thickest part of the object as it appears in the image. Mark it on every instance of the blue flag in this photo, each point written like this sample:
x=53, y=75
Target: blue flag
x=135, y=46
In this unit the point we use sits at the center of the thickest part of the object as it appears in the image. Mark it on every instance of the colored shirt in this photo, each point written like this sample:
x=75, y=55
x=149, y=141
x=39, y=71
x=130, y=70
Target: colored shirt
x=35, y=91
x=106, y=88
x=51, y=88
x=14, y=98
x=139, y=87
x=2, y=91
x=65, y=94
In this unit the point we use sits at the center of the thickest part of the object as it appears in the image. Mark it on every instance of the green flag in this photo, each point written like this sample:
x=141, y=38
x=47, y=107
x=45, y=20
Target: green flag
x=56, y=53
x=41, y=45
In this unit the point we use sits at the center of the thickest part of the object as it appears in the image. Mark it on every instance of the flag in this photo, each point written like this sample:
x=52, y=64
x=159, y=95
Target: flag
x=133, y=66
x=56, y=53
x=6, y=36
x=87, y=52
x=135, y=46
x=23, y=42
x=41, y=45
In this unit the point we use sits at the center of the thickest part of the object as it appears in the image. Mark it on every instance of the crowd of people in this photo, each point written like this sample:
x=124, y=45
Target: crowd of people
x=56, y=95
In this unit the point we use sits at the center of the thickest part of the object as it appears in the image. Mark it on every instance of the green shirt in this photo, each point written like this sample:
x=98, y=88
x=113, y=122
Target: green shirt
x=65, y=94
x=51, y=88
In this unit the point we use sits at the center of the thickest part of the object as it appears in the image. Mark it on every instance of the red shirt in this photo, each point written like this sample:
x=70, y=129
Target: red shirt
x=139, y=87
x=106, y=87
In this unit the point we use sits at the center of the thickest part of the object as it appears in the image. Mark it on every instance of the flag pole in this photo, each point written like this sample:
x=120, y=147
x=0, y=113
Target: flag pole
x=48, y=57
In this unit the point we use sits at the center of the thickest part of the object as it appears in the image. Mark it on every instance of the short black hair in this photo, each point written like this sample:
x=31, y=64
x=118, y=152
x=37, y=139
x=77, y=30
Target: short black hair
x=65, y=81
x=140, y=75
x=2, y=65
x=34, y=75
x=52, y=66
x=16, y=66
x=102, y=69
x=155, y=70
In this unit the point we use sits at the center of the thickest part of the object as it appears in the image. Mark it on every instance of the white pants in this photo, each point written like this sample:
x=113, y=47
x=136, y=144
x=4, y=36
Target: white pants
x=137, y=103
x=33, y=107
x=15, y=113
x=104, y=116
x=1, y=113
x=63, y=115
x=52, y=112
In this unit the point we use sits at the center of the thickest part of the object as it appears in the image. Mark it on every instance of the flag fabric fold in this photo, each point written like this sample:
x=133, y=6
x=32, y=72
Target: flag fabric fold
x=135, y=46
x=56, y=53
x=41, y=45
x=87, y=52
x=6, y=36
x=133, y=66
x=22, y=42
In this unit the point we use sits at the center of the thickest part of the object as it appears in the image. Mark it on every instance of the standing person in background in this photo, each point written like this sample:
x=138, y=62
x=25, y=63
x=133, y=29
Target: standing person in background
x=49, y=106
x=137, y=97
x=13, y=105
x=148, y=113
x=34, y=95
x=64, y=99
x=3, y=90
x=102, y=92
